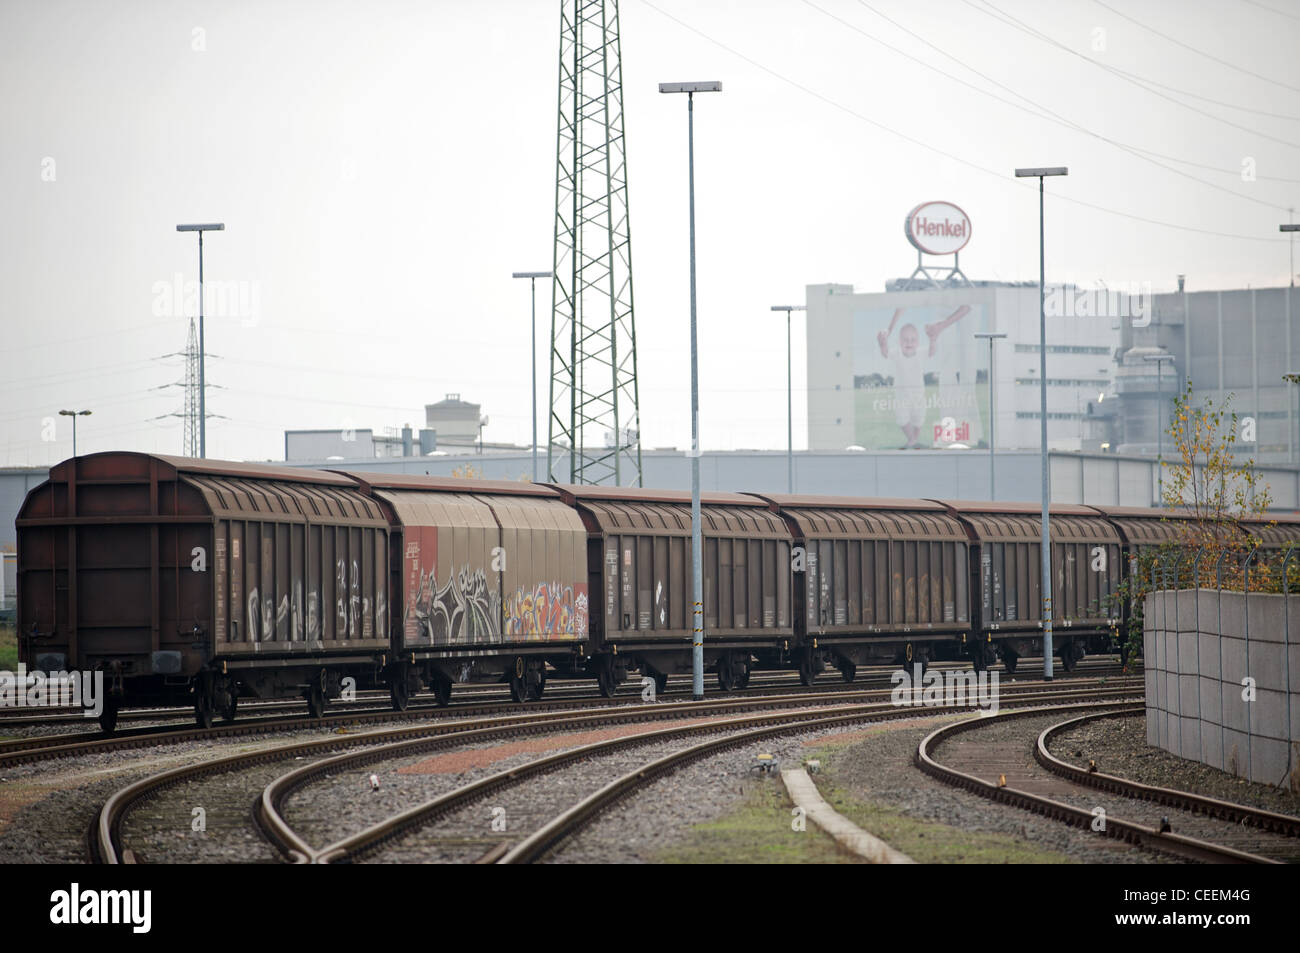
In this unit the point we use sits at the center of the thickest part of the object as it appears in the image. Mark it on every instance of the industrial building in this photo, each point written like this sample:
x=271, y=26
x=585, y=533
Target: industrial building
x=1236, y=342
x=902, y=369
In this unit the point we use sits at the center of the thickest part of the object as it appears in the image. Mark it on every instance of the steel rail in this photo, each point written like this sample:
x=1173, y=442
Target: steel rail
x=1139, y=835
x=561, y=828
x=1215, y=808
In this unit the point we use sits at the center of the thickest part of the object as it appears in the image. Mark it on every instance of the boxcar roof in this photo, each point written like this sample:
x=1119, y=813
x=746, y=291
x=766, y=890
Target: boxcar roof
x=1141, y=512
x=101, y=466
x=1018, y=509
x=413, y=481
x=634, y=494
x=809, y=501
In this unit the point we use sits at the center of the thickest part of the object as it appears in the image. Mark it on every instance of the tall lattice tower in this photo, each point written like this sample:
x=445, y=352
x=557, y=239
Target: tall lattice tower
x=593, y=336
x=190, y=440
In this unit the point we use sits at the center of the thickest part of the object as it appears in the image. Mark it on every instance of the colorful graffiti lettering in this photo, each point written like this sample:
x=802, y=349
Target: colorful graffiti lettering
x=546, y=611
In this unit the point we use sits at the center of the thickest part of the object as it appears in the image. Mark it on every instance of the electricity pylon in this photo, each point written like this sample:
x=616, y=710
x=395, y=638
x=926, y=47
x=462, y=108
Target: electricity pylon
x=593, y=397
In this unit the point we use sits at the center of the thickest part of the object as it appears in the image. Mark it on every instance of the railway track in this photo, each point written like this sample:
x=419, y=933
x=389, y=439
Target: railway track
x=26, y=750
x=1232, y=813
x=1026, y=775
x=564, y=689
x=106, y=840
x=731, y=732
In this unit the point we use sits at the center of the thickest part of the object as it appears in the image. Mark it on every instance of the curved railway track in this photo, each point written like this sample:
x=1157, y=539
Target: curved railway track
x=1228, y=811
x=1214, y=822
x=105, y=836
x=735, y=732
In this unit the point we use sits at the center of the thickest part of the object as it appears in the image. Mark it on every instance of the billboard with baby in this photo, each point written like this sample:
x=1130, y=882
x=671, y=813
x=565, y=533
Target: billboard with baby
x=920, y=378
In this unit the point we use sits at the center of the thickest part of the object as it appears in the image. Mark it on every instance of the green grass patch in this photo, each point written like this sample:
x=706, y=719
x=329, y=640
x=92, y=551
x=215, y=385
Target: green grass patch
x=925, y=841
x=8, y=648
x=758, y=831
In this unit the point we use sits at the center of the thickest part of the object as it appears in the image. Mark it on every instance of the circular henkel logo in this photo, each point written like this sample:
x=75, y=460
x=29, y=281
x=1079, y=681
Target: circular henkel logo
x=937, y=228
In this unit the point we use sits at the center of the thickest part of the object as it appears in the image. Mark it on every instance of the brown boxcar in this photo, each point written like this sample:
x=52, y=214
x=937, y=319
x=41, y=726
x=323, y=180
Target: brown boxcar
x=489, y=581
x=882, y=580
x=202, y=579
x=1275, y=531
x=1006, y=574
x=640, y=571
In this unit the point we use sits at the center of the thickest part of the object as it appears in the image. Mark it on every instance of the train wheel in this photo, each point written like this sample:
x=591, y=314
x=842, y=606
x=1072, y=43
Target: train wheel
x=399, y=689
x=108, y=714
x=848, y=671
x=726, y=675
x=541, y=682
x=605, y=679
x=1068, y=656
x=661, y=683
x=742, y=680
x=978, y=656
x=518, y=690
x=203, y=704
x=442, y=690
x=518, y=682
x=316, y=697
x=807, y=675
x=228, y=710
x=1009, y=660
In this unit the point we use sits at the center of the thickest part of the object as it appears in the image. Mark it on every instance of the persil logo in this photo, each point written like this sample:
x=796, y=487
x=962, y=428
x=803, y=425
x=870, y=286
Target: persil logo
x=937, y=228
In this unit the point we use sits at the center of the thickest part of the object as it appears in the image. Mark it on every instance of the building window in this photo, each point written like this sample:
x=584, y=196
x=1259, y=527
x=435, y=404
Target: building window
x=1062, y=349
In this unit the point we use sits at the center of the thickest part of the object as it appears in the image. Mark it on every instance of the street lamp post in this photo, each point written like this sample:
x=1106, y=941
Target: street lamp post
x=1292, y=229
x=991, y=336
x=697, y=543
x=1159, y=360
x=74, y=414
x=789, y=395
x=1046, y=546
x=532, y=277
x=1293, y=377
x=203, y=408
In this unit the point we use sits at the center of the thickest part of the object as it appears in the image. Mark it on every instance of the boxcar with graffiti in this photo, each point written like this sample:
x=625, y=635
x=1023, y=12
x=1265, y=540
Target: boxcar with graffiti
x=491, y=580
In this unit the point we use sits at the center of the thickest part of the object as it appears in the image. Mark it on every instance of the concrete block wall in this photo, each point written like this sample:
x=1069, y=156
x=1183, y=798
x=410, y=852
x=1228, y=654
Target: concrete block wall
x=1199, y=646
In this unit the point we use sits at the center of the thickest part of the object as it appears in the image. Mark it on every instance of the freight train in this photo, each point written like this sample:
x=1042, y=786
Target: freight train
x=203, y=581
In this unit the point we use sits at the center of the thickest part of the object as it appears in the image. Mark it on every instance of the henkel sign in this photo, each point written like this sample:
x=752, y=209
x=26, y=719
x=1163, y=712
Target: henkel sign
x=937, y=228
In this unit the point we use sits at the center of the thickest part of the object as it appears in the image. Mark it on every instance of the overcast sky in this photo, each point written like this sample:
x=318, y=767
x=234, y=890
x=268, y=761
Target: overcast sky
x=382, y=167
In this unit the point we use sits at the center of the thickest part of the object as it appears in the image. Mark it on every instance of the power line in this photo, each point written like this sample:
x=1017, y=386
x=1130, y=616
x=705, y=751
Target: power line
x=1002, y=177
x=1265, y=6
x=1048, y=113
x=1197, y=51
x=1008, y=20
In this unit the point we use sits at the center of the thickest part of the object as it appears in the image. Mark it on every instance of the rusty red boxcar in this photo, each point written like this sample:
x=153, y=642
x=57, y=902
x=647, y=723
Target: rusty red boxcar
x=201, y=579
x=1007, y=560
x=882, y=580
x=641, y=583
